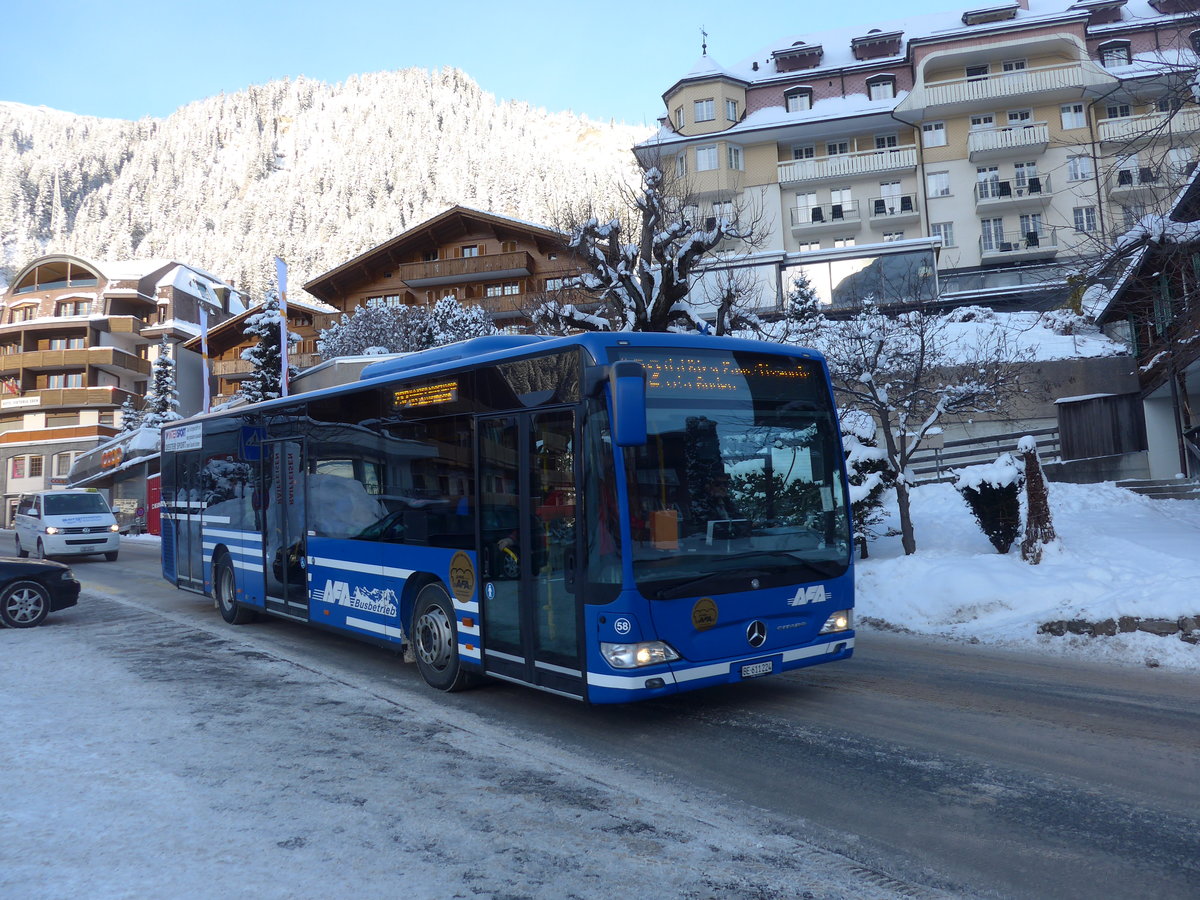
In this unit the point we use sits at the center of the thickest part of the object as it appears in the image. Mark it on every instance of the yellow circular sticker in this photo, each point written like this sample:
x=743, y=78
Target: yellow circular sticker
x=704, y=614
x=462, y=577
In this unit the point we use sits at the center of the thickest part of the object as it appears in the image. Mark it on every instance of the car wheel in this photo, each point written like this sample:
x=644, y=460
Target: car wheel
x=21, y=553
x=111, y=556
x=225, y=592
x=40, y=551
x=24, y=604
x=434, y=639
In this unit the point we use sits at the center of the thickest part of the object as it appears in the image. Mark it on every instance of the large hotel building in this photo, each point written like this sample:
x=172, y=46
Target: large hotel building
x=976, y=156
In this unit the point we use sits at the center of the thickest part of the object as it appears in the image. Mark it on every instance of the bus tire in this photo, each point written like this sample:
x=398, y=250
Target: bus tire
x=434, y=640
x=225, y=592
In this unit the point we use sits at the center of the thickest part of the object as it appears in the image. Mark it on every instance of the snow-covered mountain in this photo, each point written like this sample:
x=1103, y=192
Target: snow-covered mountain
x=312, y=172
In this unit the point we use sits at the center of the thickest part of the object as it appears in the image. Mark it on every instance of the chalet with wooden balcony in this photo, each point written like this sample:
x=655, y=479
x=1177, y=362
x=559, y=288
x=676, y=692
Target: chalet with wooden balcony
x=502, y=264
x=78, y=338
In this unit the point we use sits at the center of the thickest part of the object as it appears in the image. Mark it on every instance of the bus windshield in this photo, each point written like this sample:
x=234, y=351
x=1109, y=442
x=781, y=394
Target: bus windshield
x=739, y=477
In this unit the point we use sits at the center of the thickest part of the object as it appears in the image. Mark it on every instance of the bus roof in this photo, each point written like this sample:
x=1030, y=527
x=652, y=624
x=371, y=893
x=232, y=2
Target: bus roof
x=499, y=347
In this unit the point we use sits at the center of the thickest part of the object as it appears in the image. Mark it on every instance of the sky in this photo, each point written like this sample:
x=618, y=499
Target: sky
x=614, y=60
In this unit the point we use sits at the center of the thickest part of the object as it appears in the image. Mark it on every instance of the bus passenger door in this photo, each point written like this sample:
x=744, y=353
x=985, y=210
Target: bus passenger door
x=284, y=520
x=530, y=617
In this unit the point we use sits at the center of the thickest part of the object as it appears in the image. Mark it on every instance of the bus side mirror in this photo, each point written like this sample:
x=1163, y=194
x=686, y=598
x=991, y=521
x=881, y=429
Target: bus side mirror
x=627, y=385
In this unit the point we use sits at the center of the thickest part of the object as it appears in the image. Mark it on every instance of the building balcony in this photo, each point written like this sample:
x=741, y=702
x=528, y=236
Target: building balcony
x=849, y=165
x=1137, y=181
x=466, y=269
x=1018, y=140
x=1047, y=83
x=109, y=359
x=893, y=210
x=1032, y=193
x=1148, y=128
x=1012, y=246
x=237, y=369
x=70, y=398
x=821, y=218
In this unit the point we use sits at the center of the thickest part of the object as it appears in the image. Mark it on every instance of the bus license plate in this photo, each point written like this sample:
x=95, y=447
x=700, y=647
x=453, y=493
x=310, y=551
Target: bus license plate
x=755, y=669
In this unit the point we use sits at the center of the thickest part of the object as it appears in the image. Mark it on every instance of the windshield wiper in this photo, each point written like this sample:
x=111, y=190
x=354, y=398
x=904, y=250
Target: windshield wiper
x=684, y=588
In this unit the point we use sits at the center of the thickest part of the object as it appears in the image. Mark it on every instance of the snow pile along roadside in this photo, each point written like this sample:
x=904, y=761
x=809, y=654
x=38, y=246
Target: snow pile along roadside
x=1120, y=556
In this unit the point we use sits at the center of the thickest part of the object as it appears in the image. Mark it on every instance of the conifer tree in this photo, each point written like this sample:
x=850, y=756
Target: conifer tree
x=263, y=383
x=131, y=416
x=1039, y=529
x=162, y=402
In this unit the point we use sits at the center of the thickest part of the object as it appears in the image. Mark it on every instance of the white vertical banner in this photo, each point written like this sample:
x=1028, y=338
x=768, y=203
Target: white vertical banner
x=281, y=280
x=204, y=356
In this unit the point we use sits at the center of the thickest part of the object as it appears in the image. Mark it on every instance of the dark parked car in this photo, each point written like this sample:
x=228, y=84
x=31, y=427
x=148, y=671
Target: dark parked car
x=30, y=589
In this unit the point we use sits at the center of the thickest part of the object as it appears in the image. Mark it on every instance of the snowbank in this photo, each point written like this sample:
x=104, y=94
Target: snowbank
x=1120, y=554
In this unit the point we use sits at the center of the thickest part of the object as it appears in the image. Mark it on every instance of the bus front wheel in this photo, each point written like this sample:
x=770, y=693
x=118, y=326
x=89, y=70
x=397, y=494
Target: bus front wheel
x=434, y=640
x=225, y=591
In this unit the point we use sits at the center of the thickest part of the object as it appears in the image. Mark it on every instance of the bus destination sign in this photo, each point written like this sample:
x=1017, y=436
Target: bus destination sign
x=425, y=395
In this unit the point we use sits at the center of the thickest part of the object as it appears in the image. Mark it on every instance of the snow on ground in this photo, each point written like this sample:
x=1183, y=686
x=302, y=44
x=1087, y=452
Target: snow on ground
x=1119, y=554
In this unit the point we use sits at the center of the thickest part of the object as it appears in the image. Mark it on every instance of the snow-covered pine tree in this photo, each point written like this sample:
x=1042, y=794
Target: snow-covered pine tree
x=397, y=329
x=450, y=321
x=263, y=383
x=993, y=492
x=131, y=416
x=162, y=401
x=868, y=473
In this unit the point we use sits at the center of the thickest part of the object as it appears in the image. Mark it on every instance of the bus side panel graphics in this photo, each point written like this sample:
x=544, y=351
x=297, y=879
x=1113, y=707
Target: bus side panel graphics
x=245, y=554
x=353, y=585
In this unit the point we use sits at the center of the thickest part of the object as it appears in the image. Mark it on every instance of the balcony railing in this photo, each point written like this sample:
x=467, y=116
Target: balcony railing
x=240, y=368
x=1149, y=127
x=467, y=268
x=848, y=165
x=1018, y=244
x=990, y=143
x=106, y=357
x=826, y=216
x=49, y=398
x=1034, y=80
x=1033, y=190
x=895, y=207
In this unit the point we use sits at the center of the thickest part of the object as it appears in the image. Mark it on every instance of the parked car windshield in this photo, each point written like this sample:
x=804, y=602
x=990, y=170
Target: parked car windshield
x=74, y=504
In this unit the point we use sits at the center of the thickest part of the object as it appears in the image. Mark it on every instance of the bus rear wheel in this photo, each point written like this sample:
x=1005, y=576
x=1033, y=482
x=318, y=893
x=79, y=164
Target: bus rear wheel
x=225, y=591
x=434, y=639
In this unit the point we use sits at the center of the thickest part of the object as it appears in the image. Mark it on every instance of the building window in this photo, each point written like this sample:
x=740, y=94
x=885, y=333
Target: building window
x=23, y=313
x=506, y=289
x=1024, y=171
x=806, y=152
x=881, y=87
x=62, y=464
x=982, y=120
x=843, y=242
x=679, y=117
x=937, y=184
x=1085, y=218
x=944, y=230
x=18, y=467
x=1013, y=65
x=836, y=148
x=429, y=256
x=1079, y=168
x=993, y=233
x=35, y=467
x=886, y=141
x=933, y=134
x=1020, y=116
x=735, y=157
x=976, y=72
x=704, y=110
x=60, y=380
x=798, y=99
x=889, y=236
x=706, y=158
x=1073, y=116
x=1118, y=110
x=731, y=110
x=74, y=308
x=470, y=250
x=554, y=284
x=681, y=164
x=1114, y=53
x=809, y=246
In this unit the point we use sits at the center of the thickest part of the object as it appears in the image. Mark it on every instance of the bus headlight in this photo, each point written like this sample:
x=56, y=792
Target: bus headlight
x=50, y=529
x=633, y=656
x=839, y=621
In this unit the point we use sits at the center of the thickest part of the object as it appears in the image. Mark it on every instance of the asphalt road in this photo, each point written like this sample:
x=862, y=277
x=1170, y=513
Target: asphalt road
x=929, y=765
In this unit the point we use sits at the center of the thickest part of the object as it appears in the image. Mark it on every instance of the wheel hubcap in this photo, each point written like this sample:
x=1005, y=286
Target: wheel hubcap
x=24, y=605
x=435, y=638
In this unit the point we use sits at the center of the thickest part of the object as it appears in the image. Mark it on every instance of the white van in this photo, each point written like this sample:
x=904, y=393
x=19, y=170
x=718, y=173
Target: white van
x=66, y=523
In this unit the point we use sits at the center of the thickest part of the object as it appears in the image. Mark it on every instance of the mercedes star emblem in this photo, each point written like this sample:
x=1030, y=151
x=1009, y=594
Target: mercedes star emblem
x=756, y=633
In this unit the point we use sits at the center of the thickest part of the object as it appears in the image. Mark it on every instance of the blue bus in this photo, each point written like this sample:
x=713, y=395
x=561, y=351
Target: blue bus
x=608, y=517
